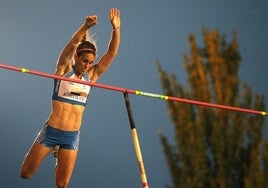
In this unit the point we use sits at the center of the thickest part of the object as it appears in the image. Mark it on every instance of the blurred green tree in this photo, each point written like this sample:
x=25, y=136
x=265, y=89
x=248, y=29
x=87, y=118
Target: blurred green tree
x=214, y=147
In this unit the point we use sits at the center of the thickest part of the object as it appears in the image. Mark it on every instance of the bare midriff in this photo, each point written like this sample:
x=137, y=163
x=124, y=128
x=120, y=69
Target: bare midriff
x=65, y=116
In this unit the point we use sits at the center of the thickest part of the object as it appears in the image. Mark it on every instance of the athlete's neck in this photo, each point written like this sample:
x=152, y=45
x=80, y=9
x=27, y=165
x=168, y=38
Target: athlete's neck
x=77, y=74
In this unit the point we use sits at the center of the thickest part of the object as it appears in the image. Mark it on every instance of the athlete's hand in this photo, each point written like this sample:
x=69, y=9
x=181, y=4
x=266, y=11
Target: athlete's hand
x=91, y=20
x=115, y=18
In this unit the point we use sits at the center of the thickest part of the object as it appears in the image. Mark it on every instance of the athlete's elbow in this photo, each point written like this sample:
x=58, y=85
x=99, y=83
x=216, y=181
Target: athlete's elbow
x=113, y=52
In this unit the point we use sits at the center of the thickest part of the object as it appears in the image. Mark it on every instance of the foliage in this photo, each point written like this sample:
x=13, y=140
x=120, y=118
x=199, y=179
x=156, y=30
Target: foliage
x=214, y=147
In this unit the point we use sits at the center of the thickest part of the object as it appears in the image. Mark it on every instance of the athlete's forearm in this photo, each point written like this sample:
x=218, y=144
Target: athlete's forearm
x=79, y=35
x=114, y=42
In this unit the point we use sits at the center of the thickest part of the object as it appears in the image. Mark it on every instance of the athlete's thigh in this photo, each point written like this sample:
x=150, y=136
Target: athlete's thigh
x=65, y=164
x=35, y=156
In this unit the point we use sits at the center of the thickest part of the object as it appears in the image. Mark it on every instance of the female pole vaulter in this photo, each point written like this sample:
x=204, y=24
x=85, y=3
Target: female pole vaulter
x=62, y=128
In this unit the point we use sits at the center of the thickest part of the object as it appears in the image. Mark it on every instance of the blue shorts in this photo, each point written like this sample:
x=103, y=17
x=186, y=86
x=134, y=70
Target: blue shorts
x=51, y=137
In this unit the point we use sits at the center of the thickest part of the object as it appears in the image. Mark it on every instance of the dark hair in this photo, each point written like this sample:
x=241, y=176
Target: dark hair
x=86, y=47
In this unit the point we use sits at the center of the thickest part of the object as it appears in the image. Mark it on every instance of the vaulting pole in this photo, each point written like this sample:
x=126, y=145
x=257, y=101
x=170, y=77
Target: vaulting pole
x=136, y=142
x=135, y=92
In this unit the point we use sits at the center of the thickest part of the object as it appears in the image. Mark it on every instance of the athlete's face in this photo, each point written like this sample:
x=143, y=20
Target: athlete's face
x=84, y=62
